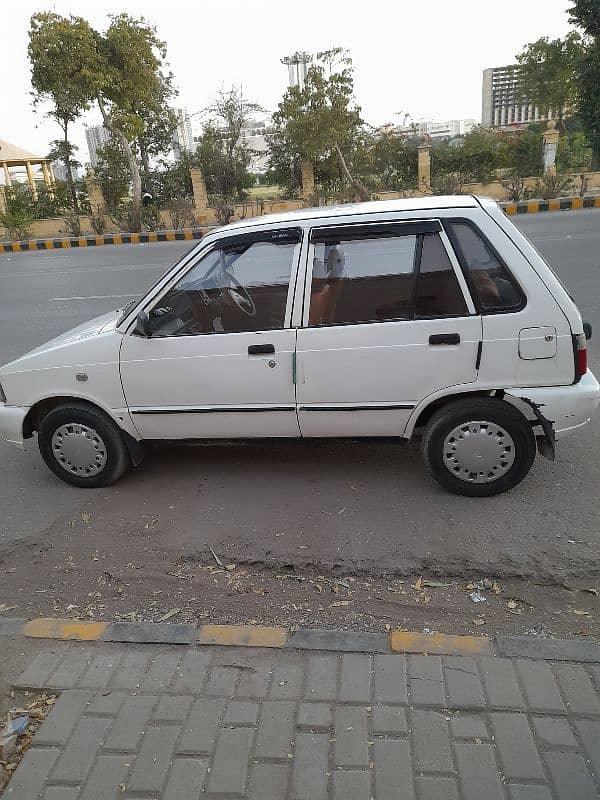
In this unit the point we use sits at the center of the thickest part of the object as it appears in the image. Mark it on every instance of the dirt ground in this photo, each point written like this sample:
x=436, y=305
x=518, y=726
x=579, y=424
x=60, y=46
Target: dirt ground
x=93, y=572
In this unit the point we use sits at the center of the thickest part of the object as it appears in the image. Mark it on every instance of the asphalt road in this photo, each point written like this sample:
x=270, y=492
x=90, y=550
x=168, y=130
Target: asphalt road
x=363, y=508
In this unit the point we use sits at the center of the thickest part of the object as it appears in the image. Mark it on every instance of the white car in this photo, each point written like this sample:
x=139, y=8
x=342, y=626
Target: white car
x=430, y=316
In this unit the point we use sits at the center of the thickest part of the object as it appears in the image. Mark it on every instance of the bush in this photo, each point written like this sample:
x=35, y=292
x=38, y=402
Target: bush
x=550, y=186
x=18, y=224
x=181, y=213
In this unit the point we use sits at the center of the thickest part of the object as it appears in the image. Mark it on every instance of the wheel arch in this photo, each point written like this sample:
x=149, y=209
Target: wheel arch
x=45, y=405
x=427, y=408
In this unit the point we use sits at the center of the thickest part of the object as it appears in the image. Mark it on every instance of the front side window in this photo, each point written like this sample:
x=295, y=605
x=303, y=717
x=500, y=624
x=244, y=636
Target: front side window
x=238, y=287
x=494, y=287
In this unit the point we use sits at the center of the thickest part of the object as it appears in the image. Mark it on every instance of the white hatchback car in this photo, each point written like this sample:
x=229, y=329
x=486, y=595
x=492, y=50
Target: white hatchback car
x=430, y=316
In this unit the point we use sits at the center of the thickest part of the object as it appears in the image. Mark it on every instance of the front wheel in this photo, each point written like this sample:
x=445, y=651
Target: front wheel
x=82, y=446
x=479, y=446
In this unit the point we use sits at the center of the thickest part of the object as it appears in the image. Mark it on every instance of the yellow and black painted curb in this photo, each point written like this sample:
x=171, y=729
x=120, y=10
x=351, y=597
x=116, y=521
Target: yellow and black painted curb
x=395, y=641
x=558, y=204
x=97, y=241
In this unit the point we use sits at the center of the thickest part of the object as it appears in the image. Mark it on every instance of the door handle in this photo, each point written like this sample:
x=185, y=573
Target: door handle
x=444, y=338
x=260, y=349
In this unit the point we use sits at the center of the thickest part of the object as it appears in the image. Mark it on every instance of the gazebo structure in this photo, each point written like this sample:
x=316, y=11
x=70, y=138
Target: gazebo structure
x=12, y=156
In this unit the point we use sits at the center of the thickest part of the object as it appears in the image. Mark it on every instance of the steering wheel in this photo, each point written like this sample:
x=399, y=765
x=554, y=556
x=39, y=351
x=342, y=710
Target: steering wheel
x=239, y=296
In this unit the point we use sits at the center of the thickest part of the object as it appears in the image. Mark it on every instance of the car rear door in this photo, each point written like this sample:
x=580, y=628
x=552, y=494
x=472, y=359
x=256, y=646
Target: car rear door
x=388, y=320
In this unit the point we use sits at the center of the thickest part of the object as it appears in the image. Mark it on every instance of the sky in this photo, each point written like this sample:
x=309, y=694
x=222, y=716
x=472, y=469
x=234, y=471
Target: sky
x=423, y=58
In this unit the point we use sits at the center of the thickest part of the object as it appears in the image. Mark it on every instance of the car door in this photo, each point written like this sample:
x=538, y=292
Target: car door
x=219, y=360
x=388, y=321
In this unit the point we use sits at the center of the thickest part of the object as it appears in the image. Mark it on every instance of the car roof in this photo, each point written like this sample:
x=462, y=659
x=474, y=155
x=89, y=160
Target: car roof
x=427, y=203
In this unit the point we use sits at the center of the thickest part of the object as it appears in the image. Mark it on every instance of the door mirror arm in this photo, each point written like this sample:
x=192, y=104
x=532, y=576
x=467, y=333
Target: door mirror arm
x=142, y=325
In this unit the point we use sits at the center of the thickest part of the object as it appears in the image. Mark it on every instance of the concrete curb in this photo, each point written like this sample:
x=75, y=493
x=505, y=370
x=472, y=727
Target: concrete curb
x=97, y=241
x=395, y=641
x=558, y=204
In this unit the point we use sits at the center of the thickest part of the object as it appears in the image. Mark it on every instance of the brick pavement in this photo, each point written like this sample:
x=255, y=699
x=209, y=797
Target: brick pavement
x=185, y=723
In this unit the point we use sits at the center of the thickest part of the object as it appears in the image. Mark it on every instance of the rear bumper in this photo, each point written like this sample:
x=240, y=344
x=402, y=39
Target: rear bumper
x=566, y=407
x=11, y=424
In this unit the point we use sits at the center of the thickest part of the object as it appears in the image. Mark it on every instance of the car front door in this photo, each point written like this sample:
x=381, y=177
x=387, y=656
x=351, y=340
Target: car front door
x=389, y=321
x=220, y=358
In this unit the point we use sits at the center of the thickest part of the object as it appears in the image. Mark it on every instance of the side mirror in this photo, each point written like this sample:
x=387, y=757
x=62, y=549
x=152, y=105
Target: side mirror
x=587, y=329
x=142, y=325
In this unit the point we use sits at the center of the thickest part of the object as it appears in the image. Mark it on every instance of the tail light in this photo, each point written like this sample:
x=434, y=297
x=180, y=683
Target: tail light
x=580, y=352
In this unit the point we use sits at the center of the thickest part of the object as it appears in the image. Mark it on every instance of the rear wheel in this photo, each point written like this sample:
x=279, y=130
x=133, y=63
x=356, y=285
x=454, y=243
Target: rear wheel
x=82, y=446
x=479, y=447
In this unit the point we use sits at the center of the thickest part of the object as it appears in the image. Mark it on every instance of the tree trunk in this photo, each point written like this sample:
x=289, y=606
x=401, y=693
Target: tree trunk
x=136, y=180
x=67, y=162
x=361, y=189
x=145, y=160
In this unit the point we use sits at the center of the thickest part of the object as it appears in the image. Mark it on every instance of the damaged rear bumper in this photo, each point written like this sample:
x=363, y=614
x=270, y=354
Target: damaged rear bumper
x=560, y=410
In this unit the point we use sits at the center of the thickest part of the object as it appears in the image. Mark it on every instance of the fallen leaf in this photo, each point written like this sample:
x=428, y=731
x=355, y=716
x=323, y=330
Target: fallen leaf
x=86, y=516
x=435, y=584
x=580, y=613
x=495, y=588
x=418, y=584
x=512, y=604
x=230, y=567
x=478, y=621
x=341, y=603
x=169, y=614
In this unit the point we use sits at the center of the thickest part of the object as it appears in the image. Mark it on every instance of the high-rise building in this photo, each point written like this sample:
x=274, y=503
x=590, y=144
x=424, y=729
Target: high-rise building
x=502, y=104
x=60, y=171
x=447, y=129
x=183, y=138
x=97, y=136
x=254, y=134
x=297, y=65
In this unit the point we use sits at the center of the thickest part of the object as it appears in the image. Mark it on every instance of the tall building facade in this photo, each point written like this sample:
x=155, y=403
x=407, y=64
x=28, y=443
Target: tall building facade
x=502, y=104
x=183, y=138
x=97, y=136
x=255, y=133
x=297, y=65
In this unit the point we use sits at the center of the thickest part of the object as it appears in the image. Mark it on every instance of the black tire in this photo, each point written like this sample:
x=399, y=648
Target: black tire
x=112, y=451
x=485, y=410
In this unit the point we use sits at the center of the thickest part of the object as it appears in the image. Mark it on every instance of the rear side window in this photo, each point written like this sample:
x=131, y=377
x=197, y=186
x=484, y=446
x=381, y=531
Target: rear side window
x=361, y=275
x=494, y=287
x=438, y=293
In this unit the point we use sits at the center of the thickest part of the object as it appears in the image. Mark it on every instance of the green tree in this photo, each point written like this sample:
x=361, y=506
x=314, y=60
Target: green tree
x=64, y=65
x=131, y=83
x=394, y=162
x=122, y=70
x=548, y=73
x=522, y=152
x=574, y=153
x=586, y=15
x=223, y=153
x=112, y=171
x=321, y=119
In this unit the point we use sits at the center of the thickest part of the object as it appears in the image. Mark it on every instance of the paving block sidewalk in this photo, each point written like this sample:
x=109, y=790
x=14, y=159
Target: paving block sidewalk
x=186, y=722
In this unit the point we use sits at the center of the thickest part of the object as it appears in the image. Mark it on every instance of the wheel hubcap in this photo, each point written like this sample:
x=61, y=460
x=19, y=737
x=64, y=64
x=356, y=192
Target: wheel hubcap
x=478, y=452
x=79, y=450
